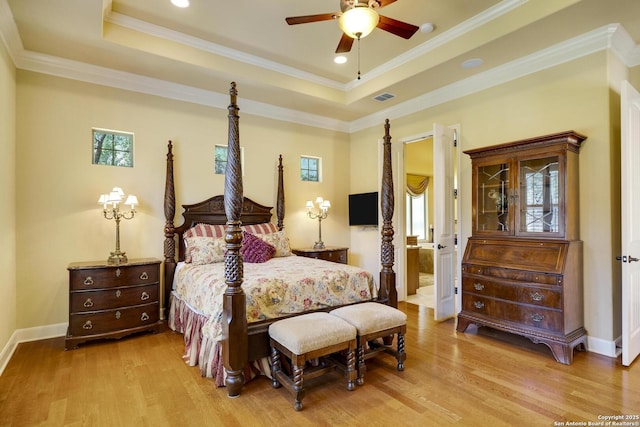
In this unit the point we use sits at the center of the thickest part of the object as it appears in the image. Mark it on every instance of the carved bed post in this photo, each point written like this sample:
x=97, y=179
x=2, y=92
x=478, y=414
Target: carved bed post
x=388, y=290
x=280, y=200
x=235, y=345
x=169, y=231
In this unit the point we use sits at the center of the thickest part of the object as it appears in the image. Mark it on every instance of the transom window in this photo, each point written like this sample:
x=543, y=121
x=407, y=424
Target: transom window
x=113, y=148
x=310, y=168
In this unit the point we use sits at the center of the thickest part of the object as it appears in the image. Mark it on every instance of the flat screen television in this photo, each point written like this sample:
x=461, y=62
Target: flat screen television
x=363, y=209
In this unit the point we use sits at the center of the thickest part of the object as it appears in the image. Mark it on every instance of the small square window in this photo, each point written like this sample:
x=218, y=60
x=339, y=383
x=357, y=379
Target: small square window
x=113, y=148
x=220, y=159
x=310, y=168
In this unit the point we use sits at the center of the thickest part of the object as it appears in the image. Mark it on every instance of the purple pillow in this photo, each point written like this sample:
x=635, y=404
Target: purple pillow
x=255, y=250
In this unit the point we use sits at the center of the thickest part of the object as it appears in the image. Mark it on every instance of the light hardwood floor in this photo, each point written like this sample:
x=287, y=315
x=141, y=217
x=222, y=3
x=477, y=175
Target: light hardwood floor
x=479, y=378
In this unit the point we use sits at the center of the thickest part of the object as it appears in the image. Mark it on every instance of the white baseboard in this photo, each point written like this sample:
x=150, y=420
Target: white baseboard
x=29, y=334
x=604, y=347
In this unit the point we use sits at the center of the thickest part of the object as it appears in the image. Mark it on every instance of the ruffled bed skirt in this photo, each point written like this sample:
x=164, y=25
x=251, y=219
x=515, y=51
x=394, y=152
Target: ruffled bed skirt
x=202, y=351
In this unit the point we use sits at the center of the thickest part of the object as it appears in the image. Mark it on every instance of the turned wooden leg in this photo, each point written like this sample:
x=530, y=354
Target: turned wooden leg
x=401, y=354
x=351, y=370
x=234, y=382
x=298, y=386
x=362, y=367
x=275, y=367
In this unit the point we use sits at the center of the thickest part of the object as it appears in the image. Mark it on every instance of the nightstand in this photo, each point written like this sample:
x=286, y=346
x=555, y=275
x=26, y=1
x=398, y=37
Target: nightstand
x=330, y=253
x=111, y=301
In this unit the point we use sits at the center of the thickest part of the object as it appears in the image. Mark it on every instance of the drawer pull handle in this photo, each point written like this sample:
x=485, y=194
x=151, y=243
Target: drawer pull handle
x=536, y=296
x=118, y=314
x=88, y=281
x=118, y=293
x=144, y=276
x=478, y=286
x=537, y=317
x=478, y=304
x=87, y=325
x=118, y=272
x=144, y=296
x=144, y=317
x=88, y=303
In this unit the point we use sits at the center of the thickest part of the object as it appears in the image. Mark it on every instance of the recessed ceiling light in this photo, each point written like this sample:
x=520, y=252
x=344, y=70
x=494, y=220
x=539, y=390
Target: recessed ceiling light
x=472, y=63
x=180, y=3
x=340, y=59
x=427, y=27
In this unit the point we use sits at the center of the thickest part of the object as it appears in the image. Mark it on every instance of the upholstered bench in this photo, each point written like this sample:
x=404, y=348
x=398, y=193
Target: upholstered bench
x=374, y=321
x=306, y=338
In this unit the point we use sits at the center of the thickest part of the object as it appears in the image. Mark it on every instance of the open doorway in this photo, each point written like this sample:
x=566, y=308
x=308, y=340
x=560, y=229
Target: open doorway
x=427, y=219
x=418, y=208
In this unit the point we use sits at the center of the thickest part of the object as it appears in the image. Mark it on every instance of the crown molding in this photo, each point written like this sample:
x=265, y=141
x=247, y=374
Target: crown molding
x=594, y=41
x=9, y=32
x=74, y=70
x=471, y=24
x=440, y=40
x=216, y=49
x=613, y=37
x=622, y=44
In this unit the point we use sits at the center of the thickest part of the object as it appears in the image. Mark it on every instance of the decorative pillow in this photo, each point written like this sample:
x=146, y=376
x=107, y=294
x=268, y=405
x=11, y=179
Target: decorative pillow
x=279, y=240
x=264, y=228
x=205, y=230
x=255, y=250
x=204, y=250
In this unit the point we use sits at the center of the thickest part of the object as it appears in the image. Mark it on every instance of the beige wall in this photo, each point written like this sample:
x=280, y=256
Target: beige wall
x=572, y=96
x=7, y=198
x=58, y=219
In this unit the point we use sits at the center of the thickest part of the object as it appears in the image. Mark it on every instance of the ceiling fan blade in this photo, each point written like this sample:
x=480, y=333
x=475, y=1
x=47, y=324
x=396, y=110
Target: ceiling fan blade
x=384, y=3
x=310, y=18
x=345, y=44
x=396, y=27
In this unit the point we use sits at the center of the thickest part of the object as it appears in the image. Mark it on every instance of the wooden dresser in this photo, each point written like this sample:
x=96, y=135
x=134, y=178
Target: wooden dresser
x=522, y=267
x=330, y=253
x=111, y=301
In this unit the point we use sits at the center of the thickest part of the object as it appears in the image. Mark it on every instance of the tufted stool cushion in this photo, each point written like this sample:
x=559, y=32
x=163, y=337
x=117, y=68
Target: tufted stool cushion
x=313, y=336
x=309, y=332
x=375, y=321
x=371, y=317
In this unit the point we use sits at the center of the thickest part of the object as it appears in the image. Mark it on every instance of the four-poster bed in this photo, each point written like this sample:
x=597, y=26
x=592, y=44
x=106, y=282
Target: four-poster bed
x=234, y=215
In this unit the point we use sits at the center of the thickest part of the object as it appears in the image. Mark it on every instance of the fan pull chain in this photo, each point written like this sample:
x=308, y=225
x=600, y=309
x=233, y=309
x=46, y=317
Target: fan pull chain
x=358, y=57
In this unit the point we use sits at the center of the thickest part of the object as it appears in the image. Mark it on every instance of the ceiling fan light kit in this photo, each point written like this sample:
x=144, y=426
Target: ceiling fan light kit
x=356, y=19
x=358, y=22
x=180, y=3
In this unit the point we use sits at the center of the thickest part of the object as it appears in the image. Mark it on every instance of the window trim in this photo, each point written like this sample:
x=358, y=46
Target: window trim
x=319, y=159
x=112, y=132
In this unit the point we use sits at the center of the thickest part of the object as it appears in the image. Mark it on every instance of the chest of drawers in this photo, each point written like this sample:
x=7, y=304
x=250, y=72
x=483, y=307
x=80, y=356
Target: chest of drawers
x=531, y=288
x=111, y=301
x=330, y=253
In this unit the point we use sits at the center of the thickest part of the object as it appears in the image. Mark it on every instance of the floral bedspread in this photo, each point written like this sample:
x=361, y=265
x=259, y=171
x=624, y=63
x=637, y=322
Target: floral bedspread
x=278, y=287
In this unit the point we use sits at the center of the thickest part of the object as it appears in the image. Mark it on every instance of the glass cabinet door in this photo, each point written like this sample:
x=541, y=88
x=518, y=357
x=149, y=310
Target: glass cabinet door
x=492, y=199
x=539, y=197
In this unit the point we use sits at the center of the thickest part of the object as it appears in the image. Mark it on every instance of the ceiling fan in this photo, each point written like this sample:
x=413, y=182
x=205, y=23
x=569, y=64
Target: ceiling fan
x=357, y=18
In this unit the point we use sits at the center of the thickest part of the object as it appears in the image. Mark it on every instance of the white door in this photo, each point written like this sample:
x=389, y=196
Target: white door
x=443, y=226
x=630, y=175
